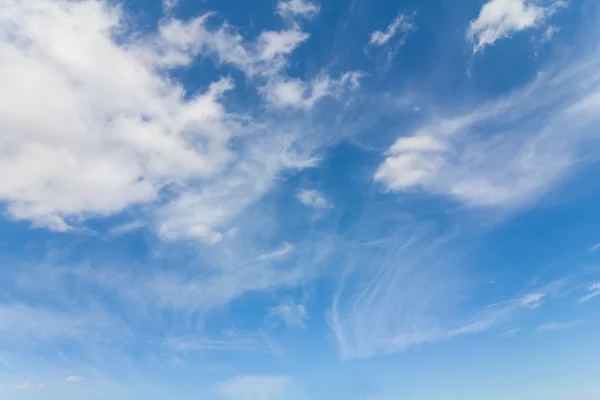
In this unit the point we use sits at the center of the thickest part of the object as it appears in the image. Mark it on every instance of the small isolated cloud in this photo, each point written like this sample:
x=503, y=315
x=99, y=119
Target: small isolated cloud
x=254, y=387
x=411, y=161
x=75, y=379
x=401, y=25
x=297, y=8
x=29, y=386
x=312, y=198
x=291, y=314
x=558, y=326
x=595, y=248
x=285, y=249
x=499, y=19
x=594, y=291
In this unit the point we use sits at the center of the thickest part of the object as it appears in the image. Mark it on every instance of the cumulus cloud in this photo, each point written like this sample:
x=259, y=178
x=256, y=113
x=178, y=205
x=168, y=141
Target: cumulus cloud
x=418, y=158
x=312, y=198
x=92, y=127
x=75, y=379
x=95, y=125
x=499, y=19
x=254, y=387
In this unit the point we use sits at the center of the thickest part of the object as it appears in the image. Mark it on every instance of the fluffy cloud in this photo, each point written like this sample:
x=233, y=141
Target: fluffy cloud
x=501, y=18
x=75, y=379
x=254, y=387
x=411, y=161
x=94, y=124
x=92, y=127
x=294, y=8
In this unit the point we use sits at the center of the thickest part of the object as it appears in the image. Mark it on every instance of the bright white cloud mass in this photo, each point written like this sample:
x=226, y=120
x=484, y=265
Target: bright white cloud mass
x=250, y=200
x=499, y=19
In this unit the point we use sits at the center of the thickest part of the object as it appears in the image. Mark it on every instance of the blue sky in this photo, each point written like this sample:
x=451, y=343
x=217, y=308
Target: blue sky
x=293, y=199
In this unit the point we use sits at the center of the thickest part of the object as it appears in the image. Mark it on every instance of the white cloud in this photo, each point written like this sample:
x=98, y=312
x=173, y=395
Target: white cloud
x=94, y=123
x=411, y=161
x=92, y=127
x=254, y=387
x=400, y=25
x=28, y=386
x=595, y=248
x=409, y=294
x=295, y=93
x=290, y=313
x=300, y=8
x=507, y=152
x=501, y=18
x=285, y=249
x=75, y=379
x=274, y=44
x=312, y=198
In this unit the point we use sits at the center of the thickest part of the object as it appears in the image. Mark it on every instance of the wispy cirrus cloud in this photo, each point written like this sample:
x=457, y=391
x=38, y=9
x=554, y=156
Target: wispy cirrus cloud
x=504, y=153
x=393, y=37
x=558, y=326
x=285, y=249
x=401, y=25
x=416, y=295
x=594, y=291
